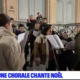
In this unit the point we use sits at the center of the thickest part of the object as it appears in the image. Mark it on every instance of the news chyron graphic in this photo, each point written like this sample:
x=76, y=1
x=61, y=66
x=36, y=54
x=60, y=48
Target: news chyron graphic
x=29, y=75
x=39, y=75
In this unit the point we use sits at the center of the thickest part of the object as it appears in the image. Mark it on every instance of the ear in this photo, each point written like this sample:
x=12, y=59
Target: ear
x=6, y=25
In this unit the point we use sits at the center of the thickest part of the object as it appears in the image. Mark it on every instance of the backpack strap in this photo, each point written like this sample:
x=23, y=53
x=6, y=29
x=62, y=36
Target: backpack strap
x=41, y=41
x=30, y=33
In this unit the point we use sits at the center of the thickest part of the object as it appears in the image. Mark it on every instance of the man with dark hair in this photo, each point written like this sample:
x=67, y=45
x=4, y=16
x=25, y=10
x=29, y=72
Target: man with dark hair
x=44, y=20
x=21, y=29
x=11, y=58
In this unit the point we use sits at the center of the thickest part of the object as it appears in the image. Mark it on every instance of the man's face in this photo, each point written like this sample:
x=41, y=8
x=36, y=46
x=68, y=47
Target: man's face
x=45, y=21
x=36, y=26
x=31, y=17
x=9, y=26
x=21, y=29
x=65, y=35
x=12, y=21
x=38, y=14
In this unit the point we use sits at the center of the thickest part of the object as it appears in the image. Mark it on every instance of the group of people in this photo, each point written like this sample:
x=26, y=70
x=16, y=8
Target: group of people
x=42, y=54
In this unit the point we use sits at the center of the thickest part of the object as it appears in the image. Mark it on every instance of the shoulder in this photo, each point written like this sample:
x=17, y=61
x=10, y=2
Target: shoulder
x=31, y=31
x=9, y=41
x=38, y=39
x=77, y=34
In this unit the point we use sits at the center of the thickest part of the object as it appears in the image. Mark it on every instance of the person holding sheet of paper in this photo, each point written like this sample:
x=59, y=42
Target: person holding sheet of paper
x=65, y=58
x=43, y=54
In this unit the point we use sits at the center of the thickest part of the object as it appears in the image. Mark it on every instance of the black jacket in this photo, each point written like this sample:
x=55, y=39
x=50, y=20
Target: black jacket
x=19, y=32
x=68, y=54
x=31, y=25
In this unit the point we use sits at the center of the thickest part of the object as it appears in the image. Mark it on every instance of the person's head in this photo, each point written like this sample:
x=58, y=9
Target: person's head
x=5, y=21
x=47, y=30
x=44, y=20
x=38, y=14
x=21, y=28
x=31, y=17
x=63, y=34
x=12, y=20
x=37, y=25
x=42, y=26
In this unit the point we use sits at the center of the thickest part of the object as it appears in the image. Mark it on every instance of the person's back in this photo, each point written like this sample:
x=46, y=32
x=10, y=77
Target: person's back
x=11, y=58
x=76, y=58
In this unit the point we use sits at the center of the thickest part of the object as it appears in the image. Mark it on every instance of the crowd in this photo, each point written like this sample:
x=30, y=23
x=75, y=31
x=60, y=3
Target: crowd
x=42, y=54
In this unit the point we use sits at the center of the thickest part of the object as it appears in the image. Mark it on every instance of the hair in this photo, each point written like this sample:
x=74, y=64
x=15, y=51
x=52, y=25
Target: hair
x=45, y=29
x=12, y=18
x=4, y=19
x=44, y=18
x=42, y=26
x=37, y=23
x=38, y=12
x=21, y=25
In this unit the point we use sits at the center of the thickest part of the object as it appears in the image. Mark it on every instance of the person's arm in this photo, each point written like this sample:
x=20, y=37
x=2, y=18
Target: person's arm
x=28, y=23
x=14, y=58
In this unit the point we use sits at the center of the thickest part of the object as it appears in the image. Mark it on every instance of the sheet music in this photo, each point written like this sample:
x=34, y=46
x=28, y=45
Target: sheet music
x=64, y=41
x=70, y=45
x=21, y=37
x=58, y=41
x=53, y=41
x=36, y=33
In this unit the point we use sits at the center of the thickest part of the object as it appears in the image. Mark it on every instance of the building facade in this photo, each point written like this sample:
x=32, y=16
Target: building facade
x=57, y=11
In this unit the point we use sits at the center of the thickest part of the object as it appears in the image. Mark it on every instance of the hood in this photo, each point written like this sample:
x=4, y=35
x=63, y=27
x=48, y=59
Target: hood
x=42, y=36
x=5, y=32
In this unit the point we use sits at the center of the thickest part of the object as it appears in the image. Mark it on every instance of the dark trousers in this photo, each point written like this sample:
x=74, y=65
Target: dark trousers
x=31, y=57
x=26, y=53
x=25, y=66
x=78, y=67
x=51, y=65
x=64, y=62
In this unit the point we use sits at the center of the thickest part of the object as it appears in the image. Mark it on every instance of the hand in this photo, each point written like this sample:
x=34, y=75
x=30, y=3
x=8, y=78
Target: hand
x=72, y=69
x=64, y=49
x=23, y=51
x=37, y=63
x=29, y=21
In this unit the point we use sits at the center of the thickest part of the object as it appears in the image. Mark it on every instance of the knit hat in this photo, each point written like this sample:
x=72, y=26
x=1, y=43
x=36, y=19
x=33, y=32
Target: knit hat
x=62, y=31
